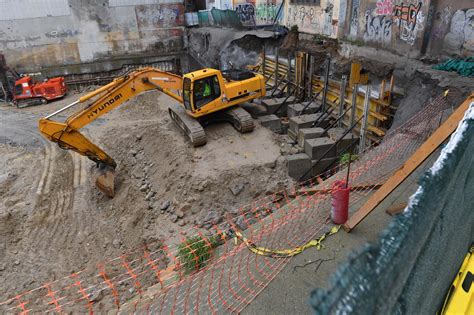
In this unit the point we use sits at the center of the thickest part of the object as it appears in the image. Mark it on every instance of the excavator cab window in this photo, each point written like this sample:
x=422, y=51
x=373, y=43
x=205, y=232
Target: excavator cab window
x=187, y=93
x=18, y=89
x=206, y=90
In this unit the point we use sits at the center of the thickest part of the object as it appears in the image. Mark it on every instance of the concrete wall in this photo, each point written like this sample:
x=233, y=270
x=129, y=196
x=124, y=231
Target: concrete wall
x=316, y=19
x=250, y=12
x=453, y=28
x=36, y=34
x=407, y=27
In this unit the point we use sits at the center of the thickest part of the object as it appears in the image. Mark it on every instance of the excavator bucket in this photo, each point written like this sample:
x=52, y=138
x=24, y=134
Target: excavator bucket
x=105, y=180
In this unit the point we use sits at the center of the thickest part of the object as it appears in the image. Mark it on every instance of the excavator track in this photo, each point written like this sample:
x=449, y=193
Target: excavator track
x=193, y=129
x=240, y=119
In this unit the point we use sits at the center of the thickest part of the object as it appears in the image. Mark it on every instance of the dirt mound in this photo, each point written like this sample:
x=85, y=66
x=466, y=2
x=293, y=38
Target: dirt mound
x=54, y=221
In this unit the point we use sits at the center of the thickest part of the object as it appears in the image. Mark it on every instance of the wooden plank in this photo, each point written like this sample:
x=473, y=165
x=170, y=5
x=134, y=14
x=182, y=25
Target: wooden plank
x=423, y=152
x=316, y=190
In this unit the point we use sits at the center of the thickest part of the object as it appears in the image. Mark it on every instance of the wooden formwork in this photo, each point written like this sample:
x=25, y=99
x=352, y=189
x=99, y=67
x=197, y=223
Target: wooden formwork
x=301, y=70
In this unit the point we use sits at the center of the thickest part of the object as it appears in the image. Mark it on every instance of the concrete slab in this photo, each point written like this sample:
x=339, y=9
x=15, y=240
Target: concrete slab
x=336, y=133
x=297, y=109
x=271, y=122
x=303, y=121
x=322, y=165
x=298, y=164
x=273, y=104
x=309, y=133
x=315, y=148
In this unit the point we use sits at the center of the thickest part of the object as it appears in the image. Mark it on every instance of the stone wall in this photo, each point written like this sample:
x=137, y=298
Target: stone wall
x=49, y=33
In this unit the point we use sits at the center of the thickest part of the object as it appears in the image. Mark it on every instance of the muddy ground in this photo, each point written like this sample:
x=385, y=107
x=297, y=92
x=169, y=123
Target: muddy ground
x=53, y=221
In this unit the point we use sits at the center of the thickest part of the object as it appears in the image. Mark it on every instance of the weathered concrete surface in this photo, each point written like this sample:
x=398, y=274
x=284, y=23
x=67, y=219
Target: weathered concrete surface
x=315, y=148
x=278, y=104
x=303, y=121
x=297, y=109
x=298, y=164
x=309, y=133
x=271, y=122
x=336, y=134
x=72, y=32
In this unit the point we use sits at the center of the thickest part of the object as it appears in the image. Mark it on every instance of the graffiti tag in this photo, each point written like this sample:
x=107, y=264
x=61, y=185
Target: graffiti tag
x=266, y=12
x=384, y=7
x=246, y=12
x=377, y=28
x=407, y=13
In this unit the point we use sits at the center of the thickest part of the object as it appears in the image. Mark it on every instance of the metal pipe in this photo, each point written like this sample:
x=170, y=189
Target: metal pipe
x=363, y=129
x=62, y=109
x=341, y=99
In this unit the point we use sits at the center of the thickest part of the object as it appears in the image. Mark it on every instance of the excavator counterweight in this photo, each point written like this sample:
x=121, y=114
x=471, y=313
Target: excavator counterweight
x=205, y=96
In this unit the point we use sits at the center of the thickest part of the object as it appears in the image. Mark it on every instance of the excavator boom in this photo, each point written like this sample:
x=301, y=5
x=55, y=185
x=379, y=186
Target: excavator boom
x=205, y=95
x=110, y=96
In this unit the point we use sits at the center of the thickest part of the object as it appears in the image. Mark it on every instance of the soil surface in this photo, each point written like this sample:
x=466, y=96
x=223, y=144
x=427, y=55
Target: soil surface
x=53, y=220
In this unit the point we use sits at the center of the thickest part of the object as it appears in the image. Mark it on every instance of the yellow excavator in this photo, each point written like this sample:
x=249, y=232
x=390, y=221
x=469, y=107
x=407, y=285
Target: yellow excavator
x=205, y=96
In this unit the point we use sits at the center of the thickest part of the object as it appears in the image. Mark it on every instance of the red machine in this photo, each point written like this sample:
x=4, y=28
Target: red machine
x=27, y=92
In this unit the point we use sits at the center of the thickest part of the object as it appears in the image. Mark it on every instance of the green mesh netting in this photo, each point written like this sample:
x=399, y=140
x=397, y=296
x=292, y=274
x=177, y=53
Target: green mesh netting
x=410, y=268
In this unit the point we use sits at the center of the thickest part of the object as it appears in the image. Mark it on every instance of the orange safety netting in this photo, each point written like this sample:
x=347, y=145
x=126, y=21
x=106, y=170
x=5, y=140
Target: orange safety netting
x=210, y=273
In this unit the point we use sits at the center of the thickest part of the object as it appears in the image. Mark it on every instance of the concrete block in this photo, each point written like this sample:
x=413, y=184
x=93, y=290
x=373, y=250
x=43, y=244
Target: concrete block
x=296, y=109
x=336, y=133
x=273, y=104
x=293, y=136
x=309, y=133
x=315, y=148
x=271, y=122
x=254, y=109
x=322, y=165
x=303, y=121
x=298, y=164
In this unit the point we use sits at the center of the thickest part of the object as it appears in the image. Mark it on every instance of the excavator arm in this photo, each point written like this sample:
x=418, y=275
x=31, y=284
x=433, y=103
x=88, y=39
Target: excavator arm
x=108, y=97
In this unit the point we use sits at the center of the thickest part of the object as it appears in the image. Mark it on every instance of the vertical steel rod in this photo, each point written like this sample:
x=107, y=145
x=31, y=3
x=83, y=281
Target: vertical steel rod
x=342, y=95
x=354, y=103
x=363, y=128
x=276, y=67
x=326, y=83
x=264, y=62
x=310, y=81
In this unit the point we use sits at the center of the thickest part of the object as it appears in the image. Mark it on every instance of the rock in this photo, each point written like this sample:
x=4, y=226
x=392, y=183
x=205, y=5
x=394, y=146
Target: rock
x=237, y=188
x=171, y=231
x=116, y=243
x=241, y=223
x=149, y=195
x=96, y=295
x=174, y=218
x=181, y=223
x=185, y=207
x=212, y=218
x=17, y=262
x=233, y=211
x=133, y=152
x=165, y=205
x=180, y=214
x=271, y=164
x=144, y=187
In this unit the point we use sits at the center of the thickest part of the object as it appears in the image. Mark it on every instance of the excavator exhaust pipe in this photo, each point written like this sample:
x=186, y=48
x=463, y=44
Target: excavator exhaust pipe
x=105, y=180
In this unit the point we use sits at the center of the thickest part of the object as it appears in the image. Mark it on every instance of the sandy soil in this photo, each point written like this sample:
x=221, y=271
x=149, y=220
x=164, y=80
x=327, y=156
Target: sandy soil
x=53, y=221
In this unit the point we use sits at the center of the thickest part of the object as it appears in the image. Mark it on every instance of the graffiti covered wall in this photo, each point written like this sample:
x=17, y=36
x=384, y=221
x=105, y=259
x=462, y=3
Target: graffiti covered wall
x=409, y=26
x=67, y=32
x=453, y=28
x=315, y=19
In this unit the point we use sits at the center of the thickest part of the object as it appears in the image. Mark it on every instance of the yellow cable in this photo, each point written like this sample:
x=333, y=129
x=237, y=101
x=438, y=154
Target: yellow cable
x=282, y=253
